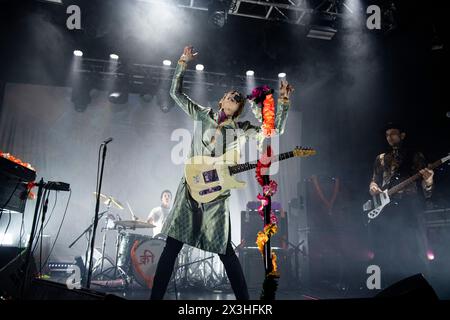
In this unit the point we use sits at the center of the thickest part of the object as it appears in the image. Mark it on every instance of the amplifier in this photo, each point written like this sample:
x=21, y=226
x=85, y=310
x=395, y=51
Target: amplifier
x=13, y=194
x=253, y=267
x=251, y=223
x=437, y=217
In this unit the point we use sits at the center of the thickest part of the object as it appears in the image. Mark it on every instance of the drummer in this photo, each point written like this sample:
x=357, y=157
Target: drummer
x=158, y=215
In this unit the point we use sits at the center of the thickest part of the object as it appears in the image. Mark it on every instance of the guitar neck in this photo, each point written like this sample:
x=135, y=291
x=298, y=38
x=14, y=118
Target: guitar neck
x=251, y=165
x=411, y=179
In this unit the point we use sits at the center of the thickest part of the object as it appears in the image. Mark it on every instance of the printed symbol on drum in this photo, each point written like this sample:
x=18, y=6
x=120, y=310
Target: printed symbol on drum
x=146, y=257
x=196, y=179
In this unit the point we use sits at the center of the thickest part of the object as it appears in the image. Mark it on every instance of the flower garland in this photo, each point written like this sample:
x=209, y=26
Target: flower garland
x=263, y=107
x=268, y=114
x=268, y=190
x=10, y=157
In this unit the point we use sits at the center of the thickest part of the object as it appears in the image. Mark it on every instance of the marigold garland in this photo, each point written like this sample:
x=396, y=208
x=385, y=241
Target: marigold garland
x=30, y=185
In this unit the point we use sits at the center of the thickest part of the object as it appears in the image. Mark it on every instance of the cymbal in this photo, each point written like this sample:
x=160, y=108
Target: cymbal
x=133, y=224
x=109, y=198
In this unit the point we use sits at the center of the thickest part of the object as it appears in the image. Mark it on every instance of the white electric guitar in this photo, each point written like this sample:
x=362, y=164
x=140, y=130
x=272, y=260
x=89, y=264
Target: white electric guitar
x=208, y=177
x=381, y=200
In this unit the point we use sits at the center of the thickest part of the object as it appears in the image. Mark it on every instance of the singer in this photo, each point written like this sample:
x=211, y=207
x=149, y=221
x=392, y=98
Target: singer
x=207, y=226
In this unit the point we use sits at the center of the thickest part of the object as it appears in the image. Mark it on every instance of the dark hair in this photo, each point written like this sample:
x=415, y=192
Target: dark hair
x=394, y=125
x=241, y=102
x=165, y=191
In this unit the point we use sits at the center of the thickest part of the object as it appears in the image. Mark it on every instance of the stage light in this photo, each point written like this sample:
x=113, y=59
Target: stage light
x=78, y=53
x=81, y=95
x=430, y=255
x=282, y=75
x=163, y=100
x=167, y=62
x=218, y=12
x=250, y=73
x=114, y=56
x=199, y=67
x=118, y=97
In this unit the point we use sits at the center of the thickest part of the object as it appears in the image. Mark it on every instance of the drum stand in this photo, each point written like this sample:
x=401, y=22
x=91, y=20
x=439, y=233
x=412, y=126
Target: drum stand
x=125, y=277
x=87, y=231
x=198, y=273
x=124, y=280
x=104, y=229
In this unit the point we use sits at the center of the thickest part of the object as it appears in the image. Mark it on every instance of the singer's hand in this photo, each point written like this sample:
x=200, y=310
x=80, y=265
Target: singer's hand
x=285, y=89
x=188, y=54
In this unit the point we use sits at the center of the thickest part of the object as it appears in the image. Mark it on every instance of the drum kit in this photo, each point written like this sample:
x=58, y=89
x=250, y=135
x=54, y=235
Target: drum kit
x=137, y=255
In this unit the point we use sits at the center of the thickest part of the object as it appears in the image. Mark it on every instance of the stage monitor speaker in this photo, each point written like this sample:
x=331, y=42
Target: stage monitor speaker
x=411, y=288
x=12, y=275
x=251, y=224
x=49, y=290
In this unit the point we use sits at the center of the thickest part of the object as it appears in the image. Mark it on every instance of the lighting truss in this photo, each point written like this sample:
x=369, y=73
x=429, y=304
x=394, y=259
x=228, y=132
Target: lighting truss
x=289, y=11
x=144, y=77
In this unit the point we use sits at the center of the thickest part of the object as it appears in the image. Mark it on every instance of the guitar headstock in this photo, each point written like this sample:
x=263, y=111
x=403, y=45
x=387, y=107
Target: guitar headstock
x=303, y=151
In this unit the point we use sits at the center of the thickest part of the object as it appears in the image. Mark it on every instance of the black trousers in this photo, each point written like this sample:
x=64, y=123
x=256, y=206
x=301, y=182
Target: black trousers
x=397, y=239
x=167, y=261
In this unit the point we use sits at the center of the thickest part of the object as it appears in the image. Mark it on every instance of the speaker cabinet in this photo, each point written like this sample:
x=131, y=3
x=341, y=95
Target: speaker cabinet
x=252, y=223
x=253, y=267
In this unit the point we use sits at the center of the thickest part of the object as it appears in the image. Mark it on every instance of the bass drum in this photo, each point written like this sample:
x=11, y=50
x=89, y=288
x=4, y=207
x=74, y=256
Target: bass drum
x=127, y=240
x=145, y=255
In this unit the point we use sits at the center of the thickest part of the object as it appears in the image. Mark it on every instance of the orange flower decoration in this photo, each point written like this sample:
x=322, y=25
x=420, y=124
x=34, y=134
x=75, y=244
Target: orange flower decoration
x=274, y=271
x=268, y=115
x=263, y=236
x=10, y=157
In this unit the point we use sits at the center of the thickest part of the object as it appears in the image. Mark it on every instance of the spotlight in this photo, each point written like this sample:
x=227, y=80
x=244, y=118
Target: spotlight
x=167, y=62
x=119, y=92
x=114, y=56
x=250, y=73
x=78, y=53
x=390, y=18
x=199, y=67
x=430, y=255
x=118, y=97
x=218, y=12
x=282, y=75
x=81, y=95
x=163, y=100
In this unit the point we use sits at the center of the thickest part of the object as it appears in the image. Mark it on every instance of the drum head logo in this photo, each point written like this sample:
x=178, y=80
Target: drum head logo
x=145, y=256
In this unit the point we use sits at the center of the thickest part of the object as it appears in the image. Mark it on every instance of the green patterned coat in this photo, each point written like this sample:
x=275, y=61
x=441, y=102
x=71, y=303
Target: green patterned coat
x=207, y=226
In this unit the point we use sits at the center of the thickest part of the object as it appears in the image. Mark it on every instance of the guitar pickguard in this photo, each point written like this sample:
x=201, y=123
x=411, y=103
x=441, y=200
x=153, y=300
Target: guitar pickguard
x=379, y=202
x=204, y=192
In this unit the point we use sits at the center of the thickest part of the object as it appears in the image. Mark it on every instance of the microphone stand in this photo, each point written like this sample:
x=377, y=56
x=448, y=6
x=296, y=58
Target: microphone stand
x=97, y=207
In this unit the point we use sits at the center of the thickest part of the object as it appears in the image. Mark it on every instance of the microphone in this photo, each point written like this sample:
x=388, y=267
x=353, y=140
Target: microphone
x=107, y=140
